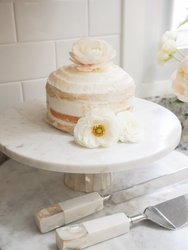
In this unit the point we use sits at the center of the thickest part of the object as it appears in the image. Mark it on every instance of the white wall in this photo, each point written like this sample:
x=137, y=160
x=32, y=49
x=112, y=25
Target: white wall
x=36, y=36
x=144, y=23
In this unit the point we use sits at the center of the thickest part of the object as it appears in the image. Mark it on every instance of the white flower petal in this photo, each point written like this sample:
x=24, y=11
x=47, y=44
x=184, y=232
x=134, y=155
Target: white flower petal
x=182, y=98
x=83, y=132
x=111, y=135
x=130, y=129
x=167, y=50
x=169, y=46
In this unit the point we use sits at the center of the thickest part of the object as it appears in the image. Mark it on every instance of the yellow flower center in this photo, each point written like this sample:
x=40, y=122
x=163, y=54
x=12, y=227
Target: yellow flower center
x=98, y=130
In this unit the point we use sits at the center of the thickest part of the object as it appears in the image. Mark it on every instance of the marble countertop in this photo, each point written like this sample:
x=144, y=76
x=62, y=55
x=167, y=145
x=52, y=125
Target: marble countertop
x=25, y=190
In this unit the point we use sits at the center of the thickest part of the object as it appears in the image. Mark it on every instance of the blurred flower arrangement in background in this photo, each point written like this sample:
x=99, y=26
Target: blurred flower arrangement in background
x=169, y=51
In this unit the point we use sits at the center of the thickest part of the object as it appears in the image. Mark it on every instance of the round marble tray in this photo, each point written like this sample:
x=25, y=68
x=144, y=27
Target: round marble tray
x=26, y=137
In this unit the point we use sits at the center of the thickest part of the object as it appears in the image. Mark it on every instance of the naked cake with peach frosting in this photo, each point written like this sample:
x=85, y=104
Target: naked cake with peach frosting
x=91, y=82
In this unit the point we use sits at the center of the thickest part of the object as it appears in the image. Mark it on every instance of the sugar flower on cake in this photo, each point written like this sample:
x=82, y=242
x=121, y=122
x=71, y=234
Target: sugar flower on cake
x=91, y=54
x=99, y=128
x=130, y=128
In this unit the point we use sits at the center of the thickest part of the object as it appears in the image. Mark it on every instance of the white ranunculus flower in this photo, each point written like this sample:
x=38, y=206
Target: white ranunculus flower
x=130, y=129
x=97, y=128
x=91, y=53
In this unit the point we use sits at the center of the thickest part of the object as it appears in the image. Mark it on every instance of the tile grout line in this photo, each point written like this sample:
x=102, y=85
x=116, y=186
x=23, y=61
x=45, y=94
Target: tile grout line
x=15, y=22
x=25, y=80
x=88, y=15
x=75, y=37
x=121, y=35
x=58, y=40
x=22, y=92
x=55, y=52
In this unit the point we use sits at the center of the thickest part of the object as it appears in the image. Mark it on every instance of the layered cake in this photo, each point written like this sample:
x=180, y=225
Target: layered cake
x=91, y=82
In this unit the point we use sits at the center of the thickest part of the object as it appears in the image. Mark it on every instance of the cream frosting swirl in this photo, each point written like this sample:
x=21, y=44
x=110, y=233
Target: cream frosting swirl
x=69, y=79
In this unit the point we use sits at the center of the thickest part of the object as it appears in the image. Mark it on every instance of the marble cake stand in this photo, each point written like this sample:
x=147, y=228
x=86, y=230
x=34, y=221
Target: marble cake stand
x=26, y=137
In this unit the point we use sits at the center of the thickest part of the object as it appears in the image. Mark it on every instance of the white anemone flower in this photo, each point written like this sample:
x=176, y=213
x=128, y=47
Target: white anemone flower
x=130, y=128
x=99, y=128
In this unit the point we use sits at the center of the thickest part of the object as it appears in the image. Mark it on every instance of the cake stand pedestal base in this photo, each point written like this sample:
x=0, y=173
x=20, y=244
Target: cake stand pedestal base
x=88, y=182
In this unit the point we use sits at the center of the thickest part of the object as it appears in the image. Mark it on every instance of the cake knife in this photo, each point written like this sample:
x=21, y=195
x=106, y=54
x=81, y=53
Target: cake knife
x=171, y=214
x=71, y=210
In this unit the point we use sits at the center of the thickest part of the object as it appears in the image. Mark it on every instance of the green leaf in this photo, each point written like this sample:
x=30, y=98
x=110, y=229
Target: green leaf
x=186, y=115
x=183, y=22
x=178, y=101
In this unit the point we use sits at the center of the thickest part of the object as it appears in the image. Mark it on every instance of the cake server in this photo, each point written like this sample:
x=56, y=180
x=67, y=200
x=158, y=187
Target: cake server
x=71, y=210
x=171, y=214
x=65, y=212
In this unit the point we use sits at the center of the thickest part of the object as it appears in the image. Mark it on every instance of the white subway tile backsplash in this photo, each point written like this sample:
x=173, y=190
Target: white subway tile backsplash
x=7, y=25
x=51, y=20
x=34, y=89
x=10, y=95
x=104, y=17
x=26, y=61
x=115, y=42
x=63, y=48
x=37, y=35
